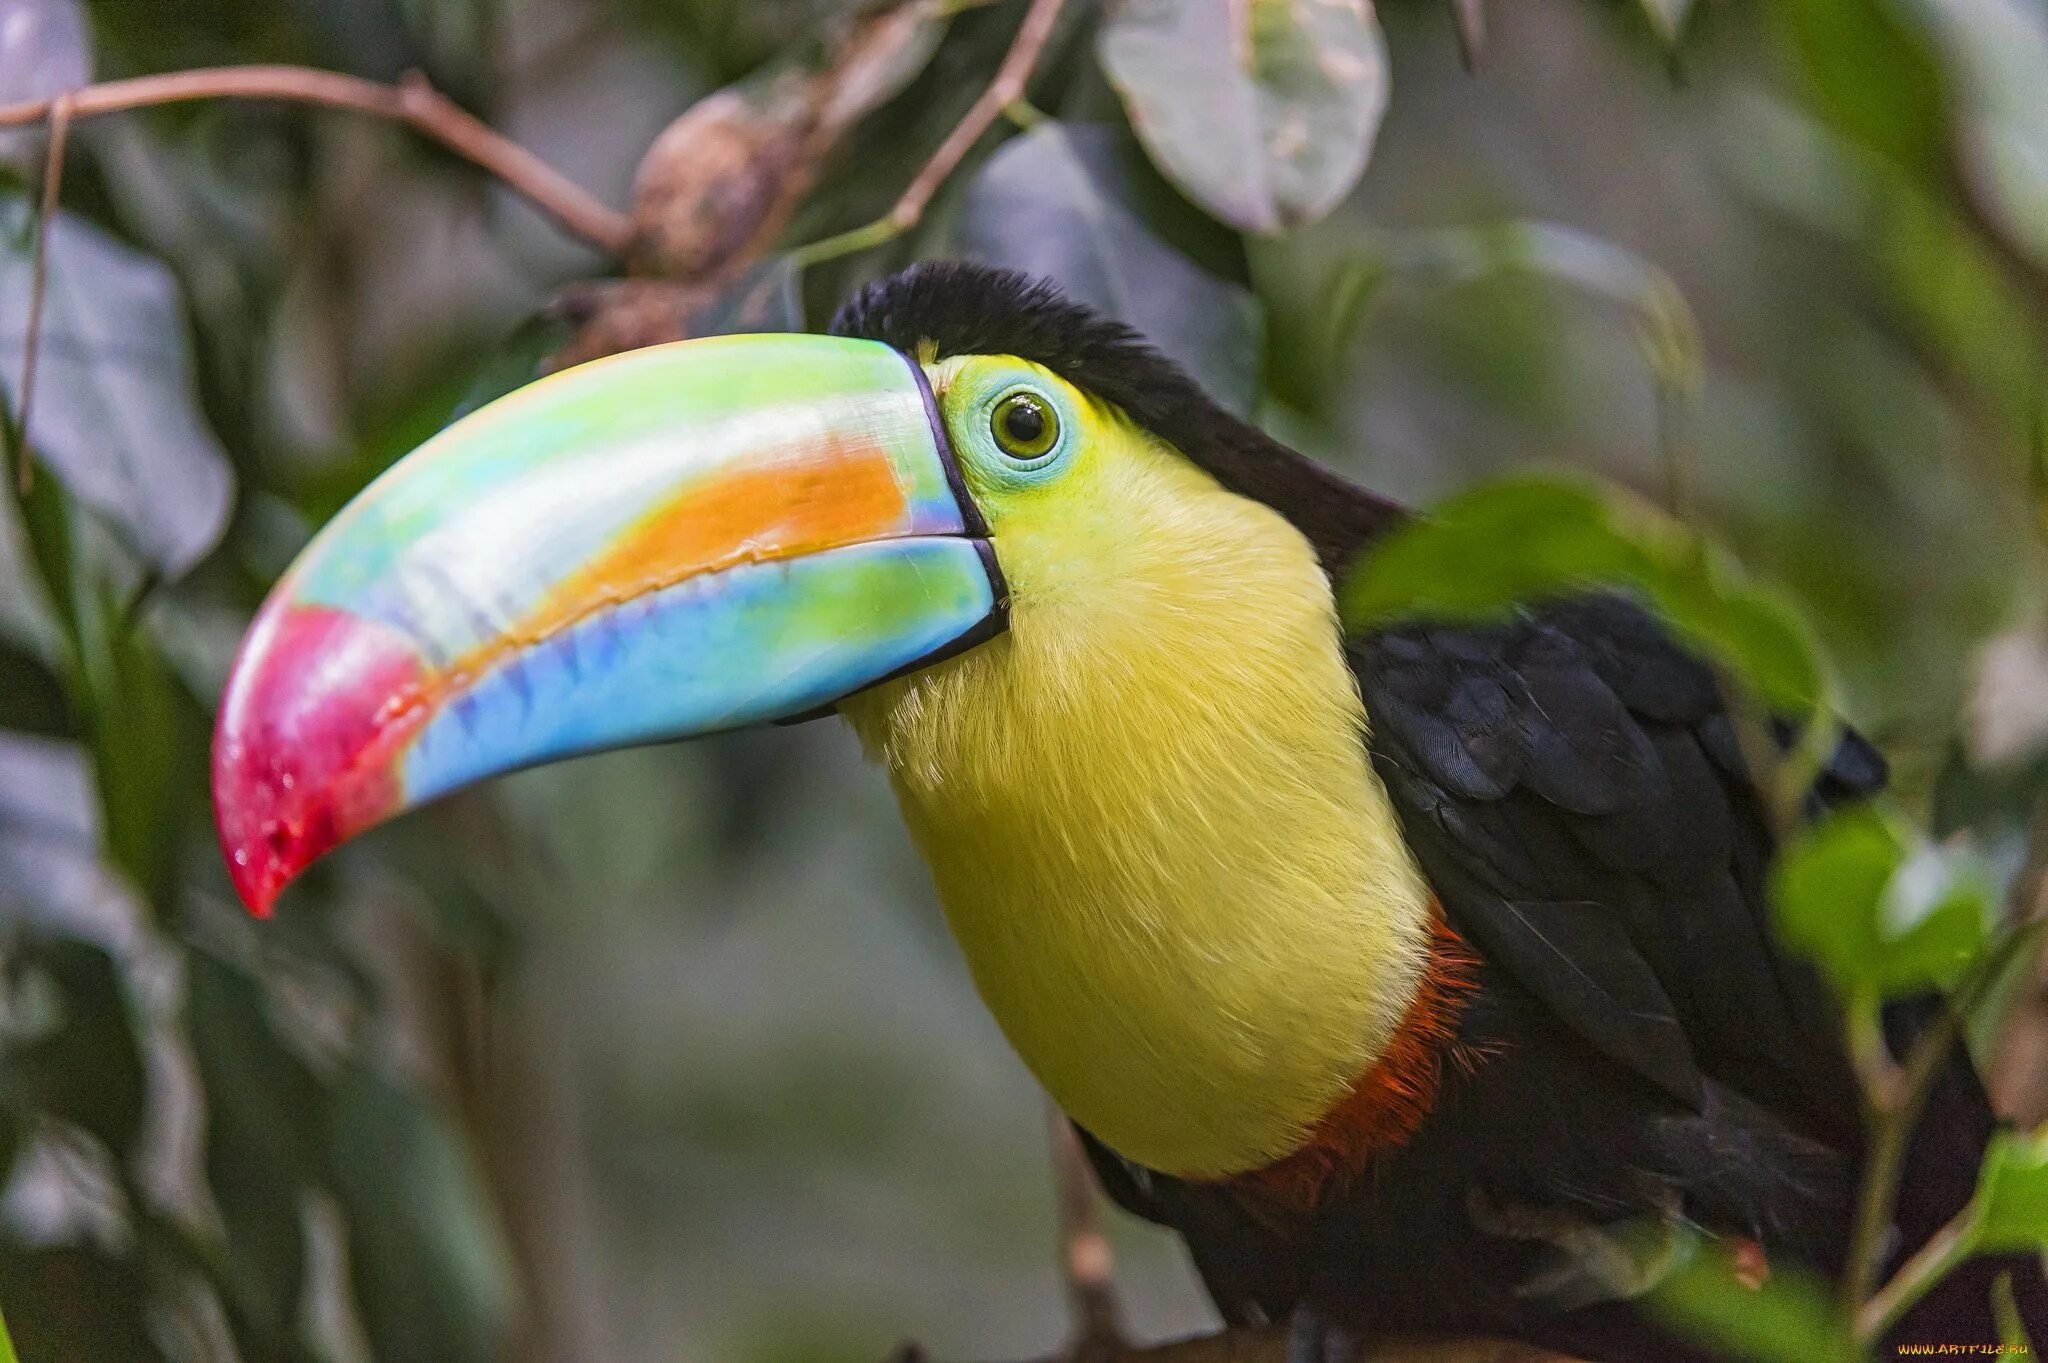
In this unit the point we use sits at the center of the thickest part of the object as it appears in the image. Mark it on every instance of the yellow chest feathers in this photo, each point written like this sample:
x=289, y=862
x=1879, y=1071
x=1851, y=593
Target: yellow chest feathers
x=1152, y=823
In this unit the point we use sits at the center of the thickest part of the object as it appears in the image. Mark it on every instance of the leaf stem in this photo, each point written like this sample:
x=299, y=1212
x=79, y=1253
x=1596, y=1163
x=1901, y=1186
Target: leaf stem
x=845, y=243
x=1024, y=115
x=411, y=101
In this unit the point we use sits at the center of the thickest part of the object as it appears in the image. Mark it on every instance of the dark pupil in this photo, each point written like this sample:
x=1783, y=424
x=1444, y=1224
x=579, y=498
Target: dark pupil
x=1024, y=422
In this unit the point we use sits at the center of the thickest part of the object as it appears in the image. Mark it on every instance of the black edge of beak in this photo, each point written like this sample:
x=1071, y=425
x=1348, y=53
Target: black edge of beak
x=975, y=528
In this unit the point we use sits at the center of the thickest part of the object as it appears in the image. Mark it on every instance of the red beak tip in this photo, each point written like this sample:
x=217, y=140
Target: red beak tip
x=258, y=880
x=267, y=839
x=299, y=763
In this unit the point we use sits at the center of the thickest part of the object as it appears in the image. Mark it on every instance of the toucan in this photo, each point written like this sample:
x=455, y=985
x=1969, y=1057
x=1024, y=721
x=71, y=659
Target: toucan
x=1423, y=979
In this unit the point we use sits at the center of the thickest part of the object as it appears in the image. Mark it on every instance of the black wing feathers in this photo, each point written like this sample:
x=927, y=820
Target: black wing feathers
x=1569, y=782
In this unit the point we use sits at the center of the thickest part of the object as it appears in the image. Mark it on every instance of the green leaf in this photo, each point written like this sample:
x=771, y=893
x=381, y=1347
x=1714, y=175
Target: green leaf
x=2005, y=1309
x=77, y=1303
x=31, y=700
x=1522, y=539
x=1264, y=111
x=1753, y=631
x=2012, y=1194
x=1667, y=17
x=1790, y=1318
x=261, y=1149
x=1872, y=76
x=147, y=736
x=1997, y=53
x=433, y=1276
x=1828, y=883
x=37, y=568
x=1487, y=549
x=1062, y=203
x=1882, y=914
x=1936, y=917
x=87, y=1069
x=114, y=412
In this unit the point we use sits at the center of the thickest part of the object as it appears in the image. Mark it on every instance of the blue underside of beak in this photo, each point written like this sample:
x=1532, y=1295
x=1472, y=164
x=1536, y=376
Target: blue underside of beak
x=749, y=645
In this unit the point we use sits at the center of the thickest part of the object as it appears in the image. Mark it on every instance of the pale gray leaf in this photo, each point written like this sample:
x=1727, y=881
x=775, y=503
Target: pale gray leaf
x=1263, y=111
x=115, y=413
x=45, y=49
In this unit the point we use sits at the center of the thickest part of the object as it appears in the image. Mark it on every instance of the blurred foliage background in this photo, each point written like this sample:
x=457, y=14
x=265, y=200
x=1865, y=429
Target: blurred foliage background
x=665, y=1055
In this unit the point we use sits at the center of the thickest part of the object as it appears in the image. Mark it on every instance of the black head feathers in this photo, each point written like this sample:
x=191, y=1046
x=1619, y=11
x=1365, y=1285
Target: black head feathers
x=944, y=308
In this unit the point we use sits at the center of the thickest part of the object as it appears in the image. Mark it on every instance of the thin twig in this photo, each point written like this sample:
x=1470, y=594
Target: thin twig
x=1895, y=1120
x=1011, y=79
x=1086, y=1263
x=39, y=278
x=1931, y=1263
x=412, y=102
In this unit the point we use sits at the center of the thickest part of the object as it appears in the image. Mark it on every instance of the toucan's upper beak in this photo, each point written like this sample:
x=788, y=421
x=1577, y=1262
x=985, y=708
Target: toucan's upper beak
x=677, y=540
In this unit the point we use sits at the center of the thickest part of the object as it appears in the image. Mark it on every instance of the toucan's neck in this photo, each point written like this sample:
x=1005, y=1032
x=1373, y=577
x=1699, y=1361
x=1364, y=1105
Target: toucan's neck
x=1151, y=819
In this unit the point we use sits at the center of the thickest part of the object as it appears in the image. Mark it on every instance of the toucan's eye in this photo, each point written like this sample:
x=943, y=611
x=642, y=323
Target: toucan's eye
x=1025, y=426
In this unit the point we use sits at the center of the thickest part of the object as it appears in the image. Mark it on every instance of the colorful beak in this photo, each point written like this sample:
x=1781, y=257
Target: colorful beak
x=670, y=542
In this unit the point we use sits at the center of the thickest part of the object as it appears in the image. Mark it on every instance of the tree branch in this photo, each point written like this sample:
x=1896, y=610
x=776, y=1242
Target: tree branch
x=412, y=102
x=1085, y=1258
x=1269, y=1345
x=1007, y=88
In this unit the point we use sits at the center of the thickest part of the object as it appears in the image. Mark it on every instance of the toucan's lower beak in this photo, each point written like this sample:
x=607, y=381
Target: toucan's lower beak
x=678, y=540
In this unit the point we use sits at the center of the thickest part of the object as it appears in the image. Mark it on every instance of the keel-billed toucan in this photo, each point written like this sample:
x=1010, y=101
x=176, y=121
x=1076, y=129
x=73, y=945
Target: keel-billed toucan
x=1422, y=981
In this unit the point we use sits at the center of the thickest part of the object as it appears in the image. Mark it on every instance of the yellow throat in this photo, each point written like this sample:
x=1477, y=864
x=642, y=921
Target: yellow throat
x=1151, y=820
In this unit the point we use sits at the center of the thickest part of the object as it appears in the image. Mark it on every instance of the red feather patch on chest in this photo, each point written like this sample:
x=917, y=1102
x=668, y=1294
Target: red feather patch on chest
x=1388, y=1103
